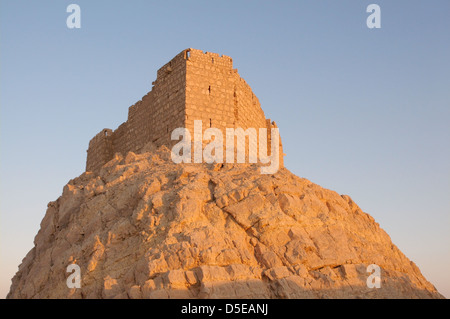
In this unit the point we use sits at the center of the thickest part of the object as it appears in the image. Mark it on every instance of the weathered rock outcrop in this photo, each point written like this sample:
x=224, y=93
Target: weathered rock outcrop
x=148, y=228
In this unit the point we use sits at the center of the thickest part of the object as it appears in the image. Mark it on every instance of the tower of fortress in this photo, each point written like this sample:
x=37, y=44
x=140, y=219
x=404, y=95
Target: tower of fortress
x=194, y=85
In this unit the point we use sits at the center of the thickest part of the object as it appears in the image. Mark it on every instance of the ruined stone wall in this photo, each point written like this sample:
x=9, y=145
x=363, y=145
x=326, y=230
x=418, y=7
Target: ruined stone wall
x=150, y=120
x=194, y=85
x=209, y=90
x=217, y=95
x=100, y=150
x=159, y=112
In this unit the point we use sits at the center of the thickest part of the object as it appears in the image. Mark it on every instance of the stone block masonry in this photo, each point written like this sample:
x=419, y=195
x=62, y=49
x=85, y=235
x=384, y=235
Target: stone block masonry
x=194, y=85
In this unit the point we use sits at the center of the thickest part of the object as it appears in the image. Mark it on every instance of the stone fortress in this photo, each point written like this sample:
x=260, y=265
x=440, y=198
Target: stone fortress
x=194, y=85
x=145, y=227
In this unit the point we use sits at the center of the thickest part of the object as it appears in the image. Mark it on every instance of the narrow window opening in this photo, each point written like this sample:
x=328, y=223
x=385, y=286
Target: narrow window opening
x=236, y=109
x=209, y=89
x=212, y=60
x=188, y=54
x=210, y=123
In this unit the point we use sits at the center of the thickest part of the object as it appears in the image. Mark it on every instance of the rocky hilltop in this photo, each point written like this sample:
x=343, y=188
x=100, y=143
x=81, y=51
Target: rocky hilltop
x=145, y=227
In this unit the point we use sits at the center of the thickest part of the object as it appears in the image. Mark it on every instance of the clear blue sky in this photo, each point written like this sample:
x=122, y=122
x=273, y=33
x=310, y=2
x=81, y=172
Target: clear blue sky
x=364, y=112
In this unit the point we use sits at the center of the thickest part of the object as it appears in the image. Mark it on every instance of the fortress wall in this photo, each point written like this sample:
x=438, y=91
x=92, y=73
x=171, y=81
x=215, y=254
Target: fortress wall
x=120, y=139
x=250, y=114
x=249, y=110
x=100, y=150
x=150, y=120
x=160, y=111
x=271, y=125
x=218, y=96
x=166, y=110
x=209, y=90
x=194, y=85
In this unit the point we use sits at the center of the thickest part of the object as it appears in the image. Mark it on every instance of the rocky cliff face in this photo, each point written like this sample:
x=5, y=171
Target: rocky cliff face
x=148, y=228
